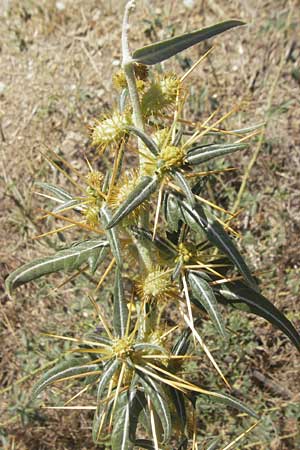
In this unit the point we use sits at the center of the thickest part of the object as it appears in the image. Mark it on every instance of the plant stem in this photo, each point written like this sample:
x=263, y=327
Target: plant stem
x=127, y=64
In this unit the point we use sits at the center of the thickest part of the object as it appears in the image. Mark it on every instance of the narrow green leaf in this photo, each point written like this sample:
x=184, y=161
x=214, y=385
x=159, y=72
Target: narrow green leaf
x=147, y=140
x=66, y=260
x=182, y=344
x=205, y=295
x=162, y=245
x=160, y=51
x=238, y=295
x=214, y=444
x=184, y=185
x=146, y=443
x=216, y=234
x=65, y=369
x=120, y=307
x=160, y=403
x=120, y=439
x=59, y=193
x=201, y=154
x=75, y=204
x=141, y=193
x=148, y=347
x=171, y=211
x=138, y=408
x=199, y=221
x=112, y=236
x=228, y=400
x=178, y=402
x=108, y=371
x=95, y=260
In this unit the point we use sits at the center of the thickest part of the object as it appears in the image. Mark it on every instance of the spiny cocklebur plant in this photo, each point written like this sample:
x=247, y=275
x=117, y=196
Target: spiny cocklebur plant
x=179, y=250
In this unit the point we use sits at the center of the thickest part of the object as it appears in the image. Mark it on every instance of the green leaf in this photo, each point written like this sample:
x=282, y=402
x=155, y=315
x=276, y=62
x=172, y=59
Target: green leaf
x=120, y=439
x=107, y=374
x=139, y=194
x=65, y=370
x=138, y=407
x=228, y=400
x=182, y=344
x=146, y=443
x=203, y=154
x=112, y=236
x=238, y=295
x=163, y=246
x=178, y=402
x=120, y=307
x=205, y=295
x=216, y=234
x=171, y=211
x=147, y=140
x=95, y=260
x=214, y=444
x=66, y=260
x=160, y=403
x=58, y=193
x=198, y=220
x=184, y=185
x=160, y=51
x=148, y=347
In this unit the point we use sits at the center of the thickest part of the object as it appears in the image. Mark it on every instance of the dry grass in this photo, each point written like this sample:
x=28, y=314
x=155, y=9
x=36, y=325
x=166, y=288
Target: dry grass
x=55, y=67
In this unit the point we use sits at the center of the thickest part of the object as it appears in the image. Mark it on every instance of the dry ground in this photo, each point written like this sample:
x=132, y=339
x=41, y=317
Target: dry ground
x=56, y=60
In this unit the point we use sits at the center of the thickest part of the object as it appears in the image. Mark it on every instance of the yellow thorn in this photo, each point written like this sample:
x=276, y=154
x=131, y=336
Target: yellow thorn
x=196, y=64
x=108, y=269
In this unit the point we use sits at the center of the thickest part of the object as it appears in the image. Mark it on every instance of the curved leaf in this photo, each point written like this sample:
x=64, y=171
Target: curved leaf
x=63, y=371
x=233, y=402
x=171, y=211
x=148, y=347
x=59, y=193
x=120, y=307
x=147, y=140
x=112, y=236
x=68, y=259
x=160, y=403
x=205, y=295
x=120, y=439
x=160, y=51
x=182, y=344
x=204, y=154
x=161, y=244
x=238, y=295
x=139, y=194
x=147, y=444
x=178, y=401
x=184, y=185
x=107, y=374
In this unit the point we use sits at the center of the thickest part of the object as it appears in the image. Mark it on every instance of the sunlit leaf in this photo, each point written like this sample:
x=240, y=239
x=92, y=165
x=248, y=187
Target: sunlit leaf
x=108, y=371
x=65, y=260
x=160, y=403
x=184, y=185
x=112, y=236
x=120, y=439
x=147, y=140
x=120, y=307
x=57, y=192
x=205, y=295
x=238, y=295
x=65, y=370
x=159, y=51
x=228, y=400
x=203, y=154
x=140, y=193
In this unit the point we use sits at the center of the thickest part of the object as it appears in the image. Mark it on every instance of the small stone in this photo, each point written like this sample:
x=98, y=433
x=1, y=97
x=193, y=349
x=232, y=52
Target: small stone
x=60, y=6
x=2, y=88
x=189, y=3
